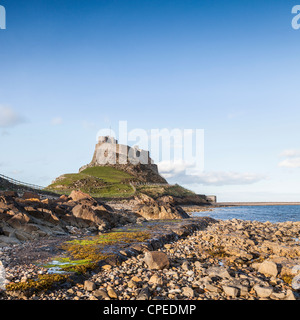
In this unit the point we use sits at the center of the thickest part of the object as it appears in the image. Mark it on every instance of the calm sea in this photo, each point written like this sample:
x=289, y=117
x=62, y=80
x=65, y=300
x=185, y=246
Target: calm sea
x=272, y=213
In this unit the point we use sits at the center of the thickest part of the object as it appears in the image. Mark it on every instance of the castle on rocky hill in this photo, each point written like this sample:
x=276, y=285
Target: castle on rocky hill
x=109, y=151
x=136, y=161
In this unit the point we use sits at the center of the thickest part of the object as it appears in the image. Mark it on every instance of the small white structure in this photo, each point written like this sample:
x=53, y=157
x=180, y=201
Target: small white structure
x=212, y=199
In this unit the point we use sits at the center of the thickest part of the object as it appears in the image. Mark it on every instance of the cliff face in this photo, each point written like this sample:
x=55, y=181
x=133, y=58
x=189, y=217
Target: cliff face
x=132, y=160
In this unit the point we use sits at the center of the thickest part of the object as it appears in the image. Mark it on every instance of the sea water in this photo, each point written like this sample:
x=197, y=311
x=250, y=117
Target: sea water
x=272, y=213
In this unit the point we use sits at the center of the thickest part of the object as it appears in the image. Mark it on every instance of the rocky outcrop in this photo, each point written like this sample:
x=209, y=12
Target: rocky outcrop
x=161, y=208
x=29, y=219
x=77, y=195
x=143, y=172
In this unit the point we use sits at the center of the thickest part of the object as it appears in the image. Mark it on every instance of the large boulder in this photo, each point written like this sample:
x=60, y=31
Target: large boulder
x=77, y=195
x=86, y=216
x=98, y=215
x=156, y=260
x=18, y=220
x=268, y=268
x=162, y=208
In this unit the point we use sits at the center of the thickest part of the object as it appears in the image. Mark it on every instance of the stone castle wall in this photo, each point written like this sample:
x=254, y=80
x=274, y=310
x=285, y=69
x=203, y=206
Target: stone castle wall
x=109, y=152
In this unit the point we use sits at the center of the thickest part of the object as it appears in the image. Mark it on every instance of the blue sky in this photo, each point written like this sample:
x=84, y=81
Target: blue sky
x=70, y=68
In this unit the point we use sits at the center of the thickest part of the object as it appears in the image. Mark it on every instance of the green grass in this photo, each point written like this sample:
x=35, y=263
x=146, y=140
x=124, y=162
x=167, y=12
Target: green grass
x=158, y=191
x=68, y=180
x=106, y=182
x=108, y=174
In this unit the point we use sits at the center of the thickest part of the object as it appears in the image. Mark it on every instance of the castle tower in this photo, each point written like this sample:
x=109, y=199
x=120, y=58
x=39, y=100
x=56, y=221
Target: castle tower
x=108, y=151
x=136, y=161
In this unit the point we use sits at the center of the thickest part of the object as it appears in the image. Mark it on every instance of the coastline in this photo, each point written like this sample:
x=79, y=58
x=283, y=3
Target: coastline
x=192, y=258
x=218, y=260
x=239, y=204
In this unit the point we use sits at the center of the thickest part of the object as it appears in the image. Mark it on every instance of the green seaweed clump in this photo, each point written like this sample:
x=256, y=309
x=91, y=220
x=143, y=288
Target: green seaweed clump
x=287, y=278
x=92, y=248
x=43, y=283
x=217, y=252
x=81, y=268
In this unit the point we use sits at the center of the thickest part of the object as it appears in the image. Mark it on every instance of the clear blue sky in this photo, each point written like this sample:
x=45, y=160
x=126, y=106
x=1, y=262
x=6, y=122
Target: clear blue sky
x=69, y=68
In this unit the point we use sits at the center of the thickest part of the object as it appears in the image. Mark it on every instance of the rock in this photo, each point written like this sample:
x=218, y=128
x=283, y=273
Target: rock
x=101, y=294
x=185, y=265
x=107, y=267
x=231, y=291
x=9, y=240
x=219, y=272
x=23, y=236
x=268, y=268
x=188, y=292
x=144, y=199
x=155, y=279
x=190, y=273
x=212, y=288
x=296, y=282
x=13, y=194
x=296, y=269
x=132, y=284
x=86, y=216
x=144, y=294
x=290, y=295
x=156, y=260
x=277, y=295
x=19, y=220
x=111, y=293
x=152, y=209
x=89, y=285
x=136, y=279
x=63, y=198
x=30, y=195
x=262, y=291
x=77, y=195
x=162, y=212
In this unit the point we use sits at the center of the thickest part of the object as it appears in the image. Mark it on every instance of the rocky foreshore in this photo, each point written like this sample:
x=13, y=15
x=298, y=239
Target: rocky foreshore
x=231, y=259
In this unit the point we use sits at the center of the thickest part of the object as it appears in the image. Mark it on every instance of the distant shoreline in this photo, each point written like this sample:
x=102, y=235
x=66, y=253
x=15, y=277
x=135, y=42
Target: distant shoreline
x=238, y=204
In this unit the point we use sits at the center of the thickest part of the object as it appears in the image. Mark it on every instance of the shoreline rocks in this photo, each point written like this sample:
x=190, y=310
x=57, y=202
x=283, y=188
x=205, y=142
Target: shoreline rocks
x=29, y=218
x=159, y=209
x=224, y=260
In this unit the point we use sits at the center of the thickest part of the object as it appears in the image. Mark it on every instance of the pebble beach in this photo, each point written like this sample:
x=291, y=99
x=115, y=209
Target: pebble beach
x=225, y=260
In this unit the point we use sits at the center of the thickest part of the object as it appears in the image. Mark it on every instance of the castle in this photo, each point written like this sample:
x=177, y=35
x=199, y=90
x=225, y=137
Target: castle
x=109, y=151
x=136, y=161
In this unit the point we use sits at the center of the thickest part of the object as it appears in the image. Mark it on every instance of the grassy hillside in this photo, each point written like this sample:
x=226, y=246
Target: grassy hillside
x=108, y=182
x=108, y=174
x=161, y=190
x=103, y=182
